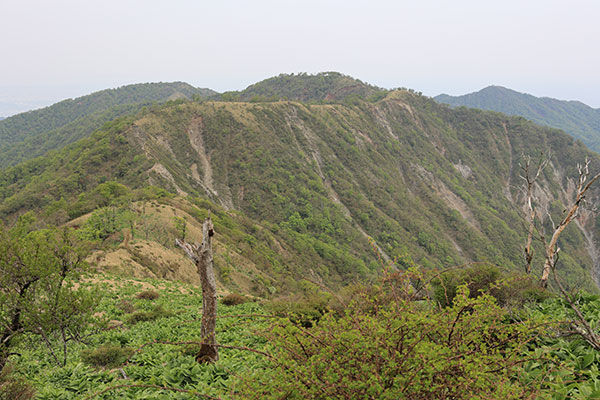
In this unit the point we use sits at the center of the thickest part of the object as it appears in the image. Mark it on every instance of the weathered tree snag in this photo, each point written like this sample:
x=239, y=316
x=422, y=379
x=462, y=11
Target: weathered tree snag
x=203, y=258
x=572, y=211
x=528, y=190
x=578, y=325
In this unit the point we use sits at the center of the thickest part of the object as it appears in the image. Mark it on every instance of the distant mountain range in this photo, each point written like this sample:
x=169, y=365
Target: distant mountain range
x=577, y=119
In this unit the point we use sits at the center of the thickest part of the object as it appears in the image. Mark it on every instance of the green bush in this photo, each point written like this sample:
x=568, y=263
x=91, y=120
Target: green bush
x=304, y=310
x=233, y=299
x=400, y=350
x=155, y=313
x=107, y=356
x=13, y=387
x=148, y=295
x=126, y=306
x=508, y=289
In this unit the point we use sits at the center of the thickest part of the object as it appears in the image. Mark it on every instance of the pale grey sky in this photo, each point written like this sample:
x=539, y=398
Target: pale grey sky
x=56, y=49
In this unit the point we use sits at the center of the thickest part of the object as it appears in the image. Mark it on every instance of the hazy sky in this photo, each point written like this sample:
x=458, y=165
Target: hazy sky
x=55, y=49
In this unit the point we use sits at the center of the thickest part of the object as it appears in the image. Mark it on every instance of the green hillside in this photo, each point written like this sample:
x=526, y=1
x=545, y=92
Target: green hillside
x=321, y=87
x=431, y=185
x=579, y=120
x=31, y=134
x=365, y=246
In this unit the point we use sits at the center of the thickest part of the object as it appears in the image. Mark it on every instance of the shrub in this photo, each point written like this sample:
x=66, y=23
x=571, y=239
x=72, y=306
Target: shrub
x=302, y=310
x=400, y=350
x=126, y=306
x=155, y=313
x=233, y=299
x=510, y=289
x=107, y=356
x=148, y=295
x=13, y=387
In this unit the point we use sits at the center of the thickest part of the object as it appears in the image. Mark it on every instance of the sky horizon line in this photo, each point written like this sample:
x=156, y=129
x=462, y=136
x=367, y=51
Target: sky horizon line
x=76, y=91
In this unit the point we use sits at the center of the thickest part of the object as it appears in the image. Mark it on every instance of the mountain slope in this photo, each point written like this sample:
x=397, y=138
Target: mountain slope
x=33, y=133
x=429, y=184
x=575, y=118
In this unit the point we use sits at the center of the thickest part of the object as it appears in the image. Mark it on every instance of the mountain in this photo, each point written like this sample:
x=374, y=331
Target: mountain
x=34, y=133
x=307, y=191
x=321, y=87
x=577, y=119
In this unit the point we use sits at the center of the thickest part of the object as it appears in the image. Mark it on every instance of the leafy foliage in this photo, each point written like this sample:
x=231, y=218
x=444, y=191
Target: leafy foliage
x=155, y=313
x=139, y=352
x=108, y=356
x=388, y=348
x=13, y=387
x=512, y=289
x=37, y=293
x=374, y=346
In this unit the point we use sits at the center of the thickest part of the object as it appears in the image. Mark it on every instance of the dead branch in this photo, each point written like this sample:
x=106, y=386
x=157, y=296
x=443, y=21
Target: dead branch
x=529, y=182
x=551, y=248
x=580, y=326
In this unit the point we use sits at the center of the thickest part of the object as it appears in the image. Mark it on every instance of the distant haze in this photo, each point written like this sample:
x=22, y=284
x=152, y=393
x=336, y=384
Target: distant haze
x=66, y=48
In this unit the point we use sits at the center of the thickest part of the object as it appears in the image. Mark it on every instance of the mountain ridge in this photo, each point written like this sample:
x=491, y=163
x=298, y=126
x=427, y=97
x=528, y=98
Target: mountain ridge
x=425, y=184
x=320, y=87
x=574, y=117
x=33, y=133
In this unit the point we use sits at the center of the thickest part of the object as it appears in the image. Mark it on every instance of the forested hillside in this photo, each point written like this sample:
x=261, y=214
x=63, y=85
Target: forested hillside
x=323, y=87
x=31, y=134
x=579, y=120
x=432, y=186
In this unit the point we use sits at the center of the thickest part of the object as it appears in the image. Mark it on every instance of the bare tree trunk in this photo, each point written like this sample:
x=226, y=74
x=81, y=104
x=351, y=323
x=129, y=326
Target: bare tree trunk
x=572, y=211
x=528, y=189
x=552, y=249
x=203, y=258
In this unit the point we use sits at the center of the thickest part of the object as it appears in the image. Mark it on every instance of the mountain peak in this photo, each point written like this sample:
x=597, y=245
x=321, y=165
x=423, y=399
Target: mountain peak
x=323, y=86
x=579, y=120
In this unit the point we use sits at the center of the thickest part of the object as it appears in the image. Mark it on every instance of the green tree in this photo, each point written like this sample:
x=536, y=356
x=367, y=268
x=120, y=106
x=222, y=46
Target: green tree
x=180, y=226
x=37, y=291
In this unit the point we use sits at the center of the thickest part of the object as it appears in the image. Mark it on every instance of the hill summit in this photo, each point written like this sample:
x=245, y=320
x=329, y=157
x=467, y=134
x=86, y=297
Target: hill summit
x=324, y=86
x=577, y=119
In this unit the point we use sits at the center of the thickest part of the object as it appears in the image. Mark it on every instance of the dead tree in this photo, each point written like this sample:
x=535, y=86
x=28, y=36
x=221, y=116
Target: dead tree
x=578, y=325
x=529, y=182
x=572, y=211
x=202, y=256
